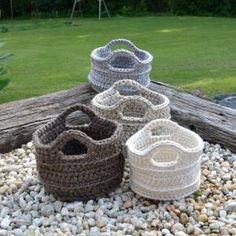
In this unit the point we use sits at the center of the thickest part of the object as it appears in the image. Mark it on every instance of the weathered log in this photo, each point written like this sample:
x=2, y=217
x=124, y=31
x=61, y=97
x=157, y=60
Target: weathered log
x=18, y=120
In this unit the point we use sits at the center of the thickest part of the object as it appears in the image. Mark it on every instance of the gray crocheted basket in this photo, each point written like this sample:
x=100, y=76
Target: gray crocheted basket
x=78, y=162
x=110, y=66
x=132, y=111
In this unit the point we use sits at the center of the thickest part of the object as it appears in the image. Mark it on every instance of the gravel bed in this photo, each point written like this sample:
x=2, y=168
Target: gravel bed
x=25, y=209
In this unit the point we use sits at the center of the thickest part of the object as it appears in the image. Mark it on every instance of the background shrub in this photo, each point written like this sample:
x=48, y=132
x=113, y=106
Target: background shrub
x=27, y=8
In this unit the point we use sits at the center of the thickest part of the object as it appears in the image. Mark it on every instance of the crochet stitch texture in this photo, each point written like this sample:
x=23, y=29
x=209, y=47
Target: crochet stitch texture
x=78, y=162
x=132, y=111
x=165, y=160
x=110, y=66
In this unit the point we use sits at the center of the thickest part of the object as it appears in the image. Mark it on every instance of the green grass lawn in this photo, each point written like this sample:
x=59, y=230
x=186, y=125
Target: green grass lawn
x=189, y=52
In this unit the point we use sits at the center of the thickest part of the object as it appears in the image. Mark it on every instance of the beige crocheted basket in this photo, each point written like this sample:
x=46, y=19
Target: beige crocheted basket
x=164, y=160
x=132, y=111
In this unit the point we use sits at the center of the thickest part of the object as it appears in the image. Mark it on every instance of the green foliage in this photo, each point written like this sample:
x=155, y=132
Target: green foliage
x=47, y=8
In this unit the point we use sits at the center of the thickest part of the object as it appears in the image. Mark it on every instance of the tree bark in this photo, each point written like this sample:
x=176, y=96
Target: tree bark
x=18, y=120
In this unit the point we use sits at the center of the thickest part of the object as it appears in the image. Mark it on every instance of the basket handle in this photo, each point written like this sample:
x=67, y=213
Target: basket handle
x=145, y=104
x=127, y=54
x=129, y=83
x=70, y=135
x=160, y=123
x=86, y=110
x=158, y=151
x=125, y=42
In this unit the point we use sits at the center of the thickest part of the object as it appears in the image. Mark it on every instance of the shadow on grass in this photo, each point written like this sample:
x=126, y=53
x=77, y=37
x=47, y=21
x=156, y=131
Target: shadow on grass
x=4, y=83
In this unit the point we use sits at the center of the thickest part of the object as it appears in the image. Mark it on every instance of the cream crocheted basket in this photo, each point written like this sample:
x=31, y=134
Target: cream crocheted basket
x=165, y=160
x=132, y=111
x=110, y=66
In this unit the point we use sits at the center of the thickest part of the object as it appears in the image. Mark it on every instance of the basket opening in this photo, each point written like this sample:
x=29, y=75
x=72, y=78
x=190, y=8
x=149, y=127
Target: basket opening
x=122, y=62
x=74, y=147
x=78, y=118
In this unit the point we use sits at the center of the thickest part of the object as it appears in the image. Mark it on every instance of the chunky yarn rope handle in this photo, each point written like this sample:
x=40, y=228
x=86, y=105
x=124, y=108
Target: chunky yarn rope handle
x=126, y=99
x=70, y=135
x=160, y=123
x=131, y=53
x=72, y=109
x=158, y=151
x=125, y=42
x=129, y=83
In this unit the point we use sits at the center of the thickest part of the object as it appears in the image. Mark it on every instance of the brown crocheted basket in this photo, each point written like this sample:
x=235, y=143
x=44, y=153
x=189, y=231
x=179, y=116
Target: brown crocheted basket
x=79, y=162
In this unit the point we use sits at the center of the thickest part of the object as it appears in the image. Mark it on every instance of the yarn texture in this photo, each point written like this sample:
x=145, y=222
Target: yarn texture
x=79, y=162
x=165, y=160
x=132, y=111
x=110, y=66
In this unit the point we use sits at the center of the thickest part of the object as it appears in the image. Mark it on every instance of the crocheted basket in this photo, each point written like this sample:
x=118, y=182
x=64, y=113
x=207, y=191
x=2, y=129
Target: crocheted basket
x=110, y=66
x=164, y=160
x=132, y=111
x=78, y=162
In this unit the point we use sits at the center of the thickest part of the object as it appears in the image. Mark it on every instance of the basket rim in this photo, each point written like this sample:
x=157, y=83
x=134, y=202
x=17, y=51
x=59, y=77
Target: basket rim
x=50, y=125
x=139, y=153
x=94, y=55
x=97, y=100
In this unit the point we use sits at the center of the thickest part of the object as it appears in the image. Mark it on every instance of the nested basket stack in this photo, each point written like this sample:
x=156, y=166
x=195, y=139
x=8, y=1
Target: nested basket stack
x=132, y=111
x=165, y=160
x=79, y=161
x=84, y=161
x=110, y=66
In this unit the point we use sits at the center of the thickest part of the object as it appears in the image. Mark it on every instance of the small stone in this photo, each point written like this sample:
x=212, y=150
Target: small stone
x=165, y=231
x=58, y=205
x=180, y=233
x=29, y=145
x=65, y=227
x=5, y=222
x=91, y=222
x=177, y=227
x=94, y=231
x=214, y=226
x=231, y=187
x=4, y=211
x=231, y=206
x=37, y=222
x=88, y=208
x=45, y=221
x=3, y=190
x=209, y=205
x=149, y=234
x=47, y=210
x=203, y=218
x=183, y=218
x=190, y=229
x=64, y=211
x=127, y=204
x=102, y=221
x=222, y=213
x=155, y=222
x=18, y=232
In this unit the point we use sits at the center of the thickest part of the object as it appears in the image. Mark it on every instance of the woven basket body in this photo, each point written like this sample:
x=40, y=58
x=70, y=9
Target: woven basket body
x=132, y=111
x=110, y=66
x=164, y=160
x=78, y=162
